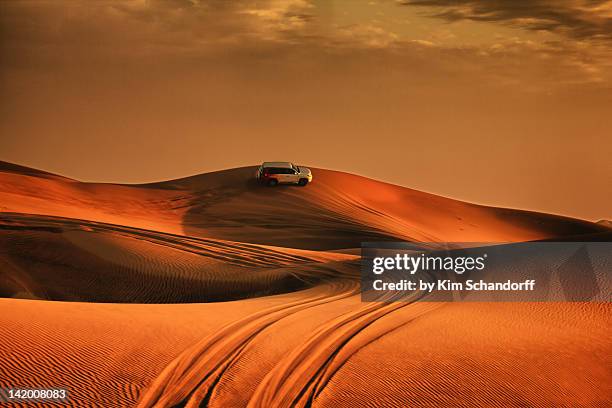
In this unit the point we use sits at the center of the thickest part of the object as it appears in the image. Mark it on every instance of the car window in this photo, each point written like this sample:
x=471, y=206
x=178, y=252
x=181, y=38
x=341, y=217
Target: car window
x=279, y=170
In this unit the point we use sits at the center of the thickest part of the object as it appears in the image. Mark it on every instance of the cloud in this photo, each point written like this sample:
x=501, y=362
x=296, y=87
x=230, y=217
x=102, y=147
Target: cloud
x=366, y=35
x=269, y=38
x=578, y=19
x=154, y=27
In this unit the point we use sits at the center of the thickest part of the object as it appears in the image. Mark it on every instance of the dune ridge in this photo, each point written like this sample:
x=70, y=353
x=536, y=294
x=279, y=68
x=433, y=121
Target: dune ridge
x=141, y=266
x=339, y=210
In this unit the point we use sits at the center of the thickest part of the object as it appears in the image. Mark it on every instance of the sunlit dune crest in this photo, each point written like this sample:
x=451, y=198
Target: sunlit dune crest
x=340, y=210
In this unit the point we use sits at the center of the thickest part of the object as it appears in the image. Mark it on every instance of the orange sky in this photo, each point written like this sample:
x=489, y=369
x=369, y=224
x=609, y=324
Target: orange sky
x=497, y=102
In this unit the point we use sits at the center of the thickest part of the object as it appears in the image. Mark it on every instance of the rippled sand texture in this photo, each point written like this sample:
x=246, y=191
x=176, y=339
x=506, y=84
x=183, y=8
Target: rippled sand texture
x=214, y=291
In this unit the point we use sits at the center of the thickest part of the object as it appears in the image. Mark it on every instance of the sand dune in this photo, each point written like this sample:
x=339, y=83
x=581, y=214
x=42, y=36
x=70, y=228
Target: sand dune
x=284, y=349
x=605, y=223
x=65, y=259
x=271, y=314
x=338, y=210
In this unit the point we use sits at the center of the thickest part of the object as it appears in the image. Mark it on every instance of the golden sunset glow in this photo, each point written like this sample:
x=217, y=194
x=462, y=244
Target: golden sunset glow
x=305, y=203
x=497, y=102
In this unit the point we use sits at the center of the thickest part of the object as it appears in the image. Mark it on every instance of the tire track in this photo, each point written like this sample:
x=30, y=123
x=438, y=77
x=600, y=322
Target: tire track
x=190, y=380
x=230, y=252
x=191, y=377
x=304, y=373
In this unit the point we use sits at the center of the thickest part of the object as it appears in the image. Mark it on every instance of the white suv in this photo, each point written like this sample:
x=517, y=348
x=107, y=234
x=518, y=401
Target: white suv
x=273, y=173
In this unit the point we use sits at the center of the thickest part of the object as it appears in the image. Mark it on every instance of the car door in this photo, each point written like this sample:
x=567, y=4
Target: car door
x=280, y=174
x=292, y=176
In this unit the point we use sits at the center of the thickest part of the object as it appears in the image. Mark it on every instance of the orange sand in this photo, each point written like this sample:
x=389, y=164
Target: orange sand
x=244, y=299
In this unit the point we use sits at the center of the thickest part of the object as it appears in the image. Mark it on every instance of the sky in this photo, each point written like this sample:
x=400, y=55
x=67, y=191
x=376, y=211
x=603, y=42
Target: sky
x=497, y=102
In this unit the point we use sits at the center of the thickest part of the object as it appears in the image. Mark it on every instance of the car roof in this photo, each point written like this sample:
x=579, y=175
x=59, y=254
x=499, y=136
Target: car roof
x=286, y=165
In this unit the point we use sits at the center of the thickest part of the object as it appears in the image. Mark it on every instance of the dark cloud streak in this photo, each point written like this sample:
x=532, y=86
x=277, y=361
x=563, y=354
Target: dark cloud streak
x=582, y=20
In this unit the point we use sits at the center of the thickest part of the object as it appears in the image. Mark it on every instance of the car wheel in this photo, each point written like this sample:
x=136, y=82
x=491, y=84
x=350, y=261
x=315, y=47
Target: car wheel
x=272, y=182
x=302, y=182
